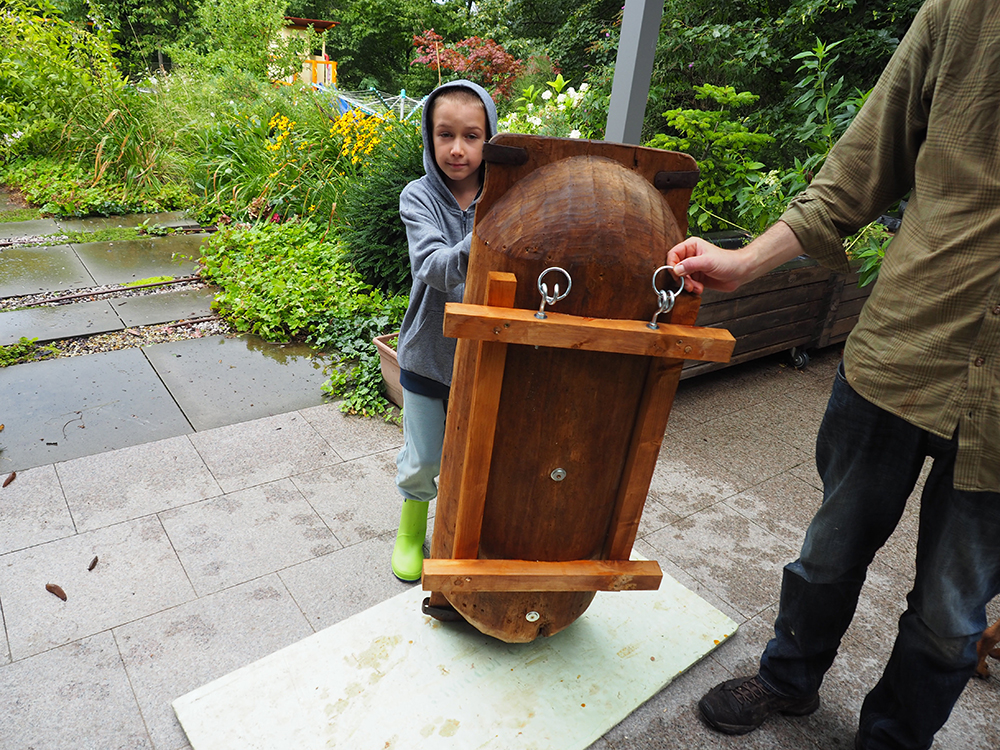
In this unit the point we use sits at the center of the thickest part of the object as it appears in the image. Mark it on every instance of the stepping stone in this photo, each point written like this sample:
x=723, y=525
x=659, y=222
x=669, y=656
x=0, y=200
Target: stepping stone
x=164, y=307
x=132, y=260
x=78, y=406
x=62, y=322
x=30, y=270
x=94, y=223
x=221, y=381
x=36, y=228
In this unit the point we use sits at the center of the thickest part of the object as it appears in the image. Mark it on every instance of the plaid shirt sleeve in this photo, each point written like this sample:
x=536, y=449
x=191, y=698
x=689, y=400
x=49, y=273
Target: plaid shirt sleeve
x=927, y=345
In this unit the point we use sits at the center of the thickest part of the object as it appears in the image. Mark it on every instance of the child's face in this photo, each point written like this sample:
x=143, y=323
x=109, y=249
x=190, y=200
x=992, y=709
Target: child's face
x=459, y=129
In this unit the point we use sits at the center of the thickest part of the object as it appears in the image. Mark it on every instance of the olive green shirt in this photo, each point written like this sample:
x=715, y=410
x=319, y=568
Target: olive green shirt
x=927, y=345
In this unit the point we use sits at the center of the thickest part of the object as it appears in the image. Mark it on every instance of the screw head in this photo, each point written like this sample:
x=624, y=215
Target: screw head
x=558, y=475
x=532, y=616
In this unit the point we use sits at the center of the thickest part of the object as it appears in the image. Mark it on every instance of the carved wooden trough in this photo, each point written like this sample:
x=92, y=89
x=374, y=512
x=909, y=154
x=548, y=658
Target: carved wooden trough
x=556, y=417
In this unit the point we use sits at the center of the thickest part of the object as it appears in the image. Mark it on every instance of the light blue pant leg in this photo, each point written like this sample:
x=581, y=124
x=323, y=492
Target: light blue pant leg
x=419, y=462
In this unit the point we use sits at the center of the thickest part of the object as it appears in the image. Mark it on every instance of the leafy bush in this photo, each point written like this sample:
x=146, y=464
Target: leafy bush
x=370, y=226
x=48, y=66
x=63, y=188
x=551, y=111
x=269, y=151
x=723, y=148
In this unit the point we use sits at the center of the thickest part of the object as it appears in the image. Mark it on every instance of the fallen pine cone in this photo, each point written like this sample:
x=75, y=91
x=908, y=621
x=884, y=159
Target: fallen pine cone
x=57, y=590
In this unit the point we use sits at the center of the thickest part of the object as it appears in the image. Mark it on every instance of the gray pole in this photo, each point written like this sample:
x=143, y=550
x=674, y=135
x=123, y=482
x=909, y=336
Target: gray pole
x=633, y=69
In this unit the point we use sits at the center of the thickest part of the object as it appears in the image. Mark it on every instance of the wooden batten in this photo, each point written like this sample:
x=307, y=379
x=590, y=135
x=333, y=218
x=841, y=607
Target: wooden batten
x=558, y=331
x=457, y=576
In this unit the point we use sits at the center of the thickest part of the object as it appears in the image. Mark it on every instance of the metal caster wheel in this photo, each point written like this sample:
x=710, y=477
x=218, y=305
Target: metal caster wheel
x=799, y=358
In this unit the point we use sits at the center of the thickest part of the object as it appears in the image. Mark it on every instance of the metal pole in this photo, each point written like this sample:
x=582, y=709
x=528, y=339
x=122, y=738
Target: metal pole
x=633, y=70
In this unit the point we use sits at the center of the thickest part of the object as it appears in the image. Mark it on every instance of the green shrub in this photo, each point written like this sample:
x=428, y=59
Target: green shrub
x=62, y=188
x=370, y=226
x=723, y=148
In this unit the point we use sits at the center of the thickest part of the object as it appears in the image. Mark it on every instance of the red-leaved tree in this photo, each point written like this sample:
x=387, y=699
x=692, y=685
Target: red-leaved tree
x=480, y=60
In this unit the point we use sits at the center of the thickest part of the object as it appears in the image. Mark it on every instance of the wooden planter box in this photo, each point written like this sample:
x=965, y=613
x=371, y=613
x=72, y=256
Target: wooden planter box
x=799, y=305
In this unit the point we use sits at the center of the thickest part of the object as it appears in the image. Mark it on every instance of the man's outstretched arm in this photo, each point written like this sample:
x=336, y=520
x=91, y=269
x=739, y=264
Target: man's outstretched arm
x=705, y=265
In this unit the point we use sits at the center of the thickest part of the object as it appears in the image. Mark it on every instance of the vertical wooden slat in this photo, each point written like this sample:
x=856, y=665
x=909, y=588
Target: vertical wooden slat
x=500, y=290
x=644, y=448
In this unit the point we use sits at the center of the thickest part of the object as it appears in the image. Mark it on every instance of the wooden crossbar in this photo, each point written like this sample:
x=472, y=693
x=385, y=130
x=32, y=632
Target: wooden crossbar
x=463, y=576
x=517, y=326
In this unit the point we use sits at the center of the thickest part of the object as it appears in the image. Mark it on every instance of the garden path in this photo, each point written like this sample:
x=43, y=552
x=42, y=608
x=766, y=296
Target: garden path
x=225, y=534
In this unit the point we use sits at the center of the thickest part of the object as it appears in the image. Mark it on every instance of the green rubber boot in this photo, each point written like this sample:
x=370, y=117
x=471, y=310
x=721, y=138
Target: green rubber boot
x=408, y=554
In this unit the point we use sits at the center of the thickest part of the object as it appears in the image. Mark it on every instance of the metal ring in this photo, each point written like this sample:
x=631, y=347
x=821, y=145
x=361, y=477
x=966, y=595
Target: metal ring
x=543, y=289
x=657, y=273
x=665, y=299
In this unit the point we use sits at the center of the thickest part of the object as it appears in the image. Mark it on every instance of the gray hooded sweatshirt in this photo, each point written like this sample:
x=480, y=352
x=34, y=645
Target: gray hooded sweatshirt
x=439, y=234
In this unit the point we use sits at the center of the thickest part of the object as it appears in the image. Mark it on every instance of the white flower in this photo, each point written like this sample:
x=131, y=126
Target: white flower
x=571, y=91
x=561, y=99
x=574, y=133
x=530, y=106
x=536, y=121
x=584, y=87
x=546, y=95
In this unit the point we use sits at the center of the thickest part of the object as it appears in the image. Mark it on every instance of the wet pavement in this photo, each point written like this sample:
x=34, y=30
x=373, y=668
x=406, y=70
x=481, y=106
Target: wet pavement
x=224, y=533
x=70, y=407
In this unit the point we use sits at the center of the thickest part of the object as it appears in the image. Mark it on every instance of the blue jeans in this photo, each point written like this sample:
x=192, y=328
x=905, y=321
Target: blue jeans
x=869, y=460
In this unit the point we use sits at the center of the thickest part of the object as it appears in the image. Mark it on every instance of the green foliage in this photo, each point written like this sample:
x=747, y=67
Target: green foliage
x=48, y=66
x=370, y=228
x=25, y=350
x=141, y=29
x=62, y=188
x=723, y=148
x=243, y=35
x=282, y=281
x=20, y=214
x=558, y=110
x=270, y=151
x=867, y=248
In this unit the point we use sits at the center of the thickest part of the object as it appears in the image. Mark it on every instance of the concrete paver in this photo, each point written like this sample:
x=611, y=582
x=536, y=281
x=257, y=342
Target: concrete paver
x=219, y=381
x=34, y=510
x=61, y=322
x=34, y=228
x=164, y=307
x=36, y=268
x=77, y=406
x=133, y=260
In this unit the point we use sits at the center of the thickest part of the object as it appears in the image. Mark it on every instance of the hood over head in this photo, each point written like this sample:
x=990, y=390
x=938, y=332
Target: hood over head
x=430, y=165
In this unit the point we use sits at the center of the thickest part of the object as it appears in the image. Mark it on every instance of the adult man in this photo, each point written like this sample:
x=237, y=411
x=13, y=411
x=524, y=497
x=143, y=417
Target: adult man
x=920, y=377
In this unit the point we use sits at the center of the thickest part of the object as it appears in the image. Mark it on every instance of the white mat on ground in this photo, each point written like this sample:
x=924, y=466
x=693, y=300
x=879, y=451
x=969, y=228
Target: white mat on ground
x=391, y=677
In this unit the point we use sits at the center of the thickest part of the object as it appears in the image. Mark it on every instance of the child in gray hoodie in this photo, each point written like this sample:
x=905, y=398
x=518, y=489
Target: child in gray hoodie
x=437, y=209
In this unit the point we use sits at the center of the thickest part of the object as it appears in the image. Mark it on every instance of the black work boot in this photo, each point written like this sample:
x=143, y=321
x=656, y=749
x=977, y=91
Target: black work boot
x=741, y=705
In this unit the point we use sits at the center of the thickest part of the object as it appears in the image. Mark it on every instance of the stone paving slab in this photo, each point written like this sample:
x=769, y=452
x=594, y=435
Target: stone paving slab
x=77, y=696
x=263, y=450
x=62, y=322
x=220, y=381
x=77, y=406
x=132, y=482
x=164, y=307
x=243, y=535
x=134, y=260
x=33, y=510
x=34, y=269
x=34, y=228
x=137, y=574
x=164, y=654
x=95, y=223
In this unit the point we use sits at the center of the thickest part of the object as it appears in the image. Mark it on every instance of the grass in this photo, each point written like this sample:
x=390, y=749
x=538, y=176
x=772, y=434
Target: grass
x=20, y=214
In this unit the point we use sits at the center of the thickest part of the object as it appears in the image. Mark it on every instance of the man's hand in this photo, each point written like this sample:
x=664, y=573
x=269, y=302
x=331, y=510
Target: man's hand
x=703, y=265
